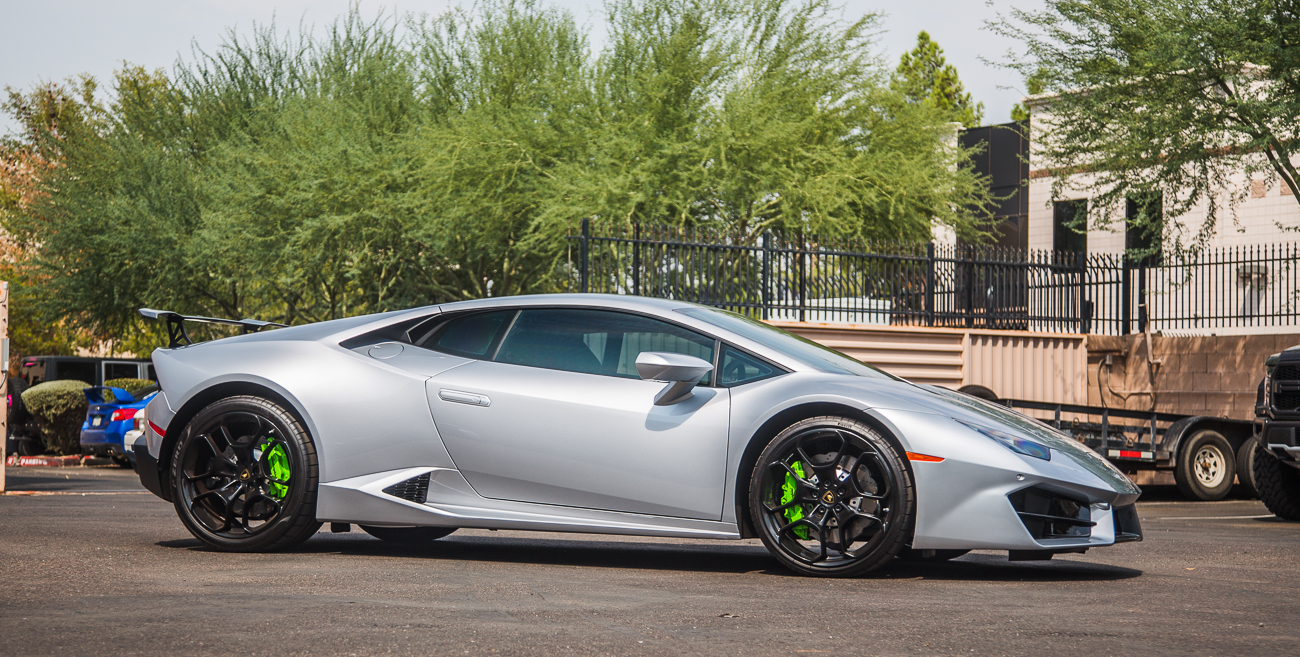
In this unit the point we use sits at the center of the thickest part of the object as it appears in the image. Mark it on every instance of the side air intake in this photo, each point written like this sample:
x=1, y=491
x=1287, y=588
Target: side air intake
x=415, y=489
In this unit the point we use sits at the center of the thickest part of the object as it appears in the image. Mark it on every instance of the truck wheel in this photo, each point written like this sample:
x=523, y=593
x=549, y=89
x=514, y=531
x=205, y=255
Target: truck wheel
x=1246, y=466
x=1205, y=467
x=1278, y=485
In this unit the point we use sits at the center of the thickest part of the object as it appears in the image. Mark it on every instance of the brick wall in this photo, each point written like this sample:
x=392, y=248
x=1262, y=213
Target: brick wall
x=1212, y=375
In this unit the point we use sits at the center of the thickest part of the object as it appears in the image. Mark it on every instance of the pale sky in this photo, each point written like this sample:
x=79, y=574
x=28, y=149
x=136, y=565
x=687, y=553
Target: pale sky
x=45, y=40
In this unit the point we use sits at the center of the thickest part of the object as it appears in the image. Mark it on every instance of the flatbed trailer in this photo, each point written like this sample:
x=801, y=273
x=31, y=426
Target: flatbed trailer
x=1203, y=452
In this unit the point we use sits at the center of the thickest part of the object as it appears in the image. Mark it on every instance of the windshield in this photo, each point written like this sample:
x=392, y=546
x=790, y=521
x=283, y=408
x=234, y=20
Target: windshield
x=801, y=349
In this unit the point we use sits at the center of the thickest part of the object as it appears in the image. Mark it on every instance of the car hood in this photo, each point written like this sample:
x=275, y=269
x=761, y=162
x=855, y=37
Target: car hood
x=907, y=396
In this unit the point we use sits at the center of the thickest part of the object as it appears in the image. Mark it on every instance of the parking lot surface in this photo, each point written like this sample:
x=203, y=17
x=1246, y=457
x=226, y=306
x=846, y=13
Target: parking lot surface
x=88, y=570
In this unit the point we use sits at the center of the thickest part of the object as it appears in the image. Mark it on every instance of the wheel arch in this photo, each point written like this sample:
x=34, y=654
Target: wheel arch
x=1237, y=432
x=201, y=400
x=777, y=423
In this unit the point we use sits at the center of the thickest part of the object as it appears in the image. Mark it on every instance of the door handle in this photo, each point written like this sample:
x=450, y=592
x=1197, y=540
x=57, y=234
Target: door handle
x=459, y=397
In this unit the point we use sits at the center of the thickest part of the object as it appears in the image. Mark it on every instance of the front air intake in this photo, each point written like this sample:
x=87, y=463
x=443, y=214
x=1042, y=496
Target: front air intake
x=415, y=489
x=1048, y=514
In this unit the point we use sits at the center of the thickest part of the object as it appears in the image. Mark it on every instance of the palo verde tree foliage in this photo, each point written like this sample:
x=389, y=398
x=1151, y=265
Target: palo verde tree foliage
x=391, y=163
x=1184, y=100
x=925, y=76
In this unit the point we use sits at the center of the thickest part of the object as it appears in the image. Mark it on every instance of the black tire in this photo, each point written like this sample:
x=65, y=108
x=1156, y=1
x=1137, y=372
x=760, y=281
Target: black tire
x=230, y=487
x=1278, y=485
x=856, y=498
x=979, y=392
x=28, y=447
x=407, y=535
x=1205, y=467
x=1246, y=466
x=934, y=556
x=18, y=413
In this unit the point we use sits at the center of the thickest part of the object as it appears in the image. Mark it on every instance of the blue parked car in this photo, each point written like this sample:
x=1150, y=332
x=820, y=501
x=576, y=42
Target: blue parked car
x=109, y=418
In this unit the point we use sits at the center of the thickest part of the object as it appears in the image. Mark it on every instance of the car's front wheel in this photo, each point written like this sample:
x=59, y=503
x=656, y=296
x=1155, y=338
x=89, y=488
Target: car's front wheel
x=830, y=496
x=244, y=474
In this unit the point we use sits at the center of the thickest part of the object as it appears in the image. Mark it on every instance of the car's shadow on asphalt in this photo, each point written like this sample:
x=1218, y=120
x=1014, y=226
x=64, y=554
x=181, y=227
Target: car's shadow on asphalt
x=748, y=558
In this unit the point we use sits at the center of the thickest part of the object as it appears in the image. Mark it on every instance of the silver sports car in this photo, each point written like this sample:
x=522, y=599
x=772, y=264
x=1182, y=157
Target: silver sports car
x=606, y=414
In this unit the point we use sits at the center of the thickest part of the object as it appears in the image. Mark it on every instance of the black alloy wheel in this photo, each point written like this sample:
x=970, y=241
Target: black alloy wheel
x=832, y=497
x=407, y=535
x=245, y=476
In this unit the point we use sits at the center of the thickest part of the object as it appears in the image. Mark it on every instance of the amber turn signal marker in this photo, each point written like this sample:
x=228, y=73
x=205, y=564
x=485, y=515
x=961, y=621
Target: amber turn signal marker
x=913, y=456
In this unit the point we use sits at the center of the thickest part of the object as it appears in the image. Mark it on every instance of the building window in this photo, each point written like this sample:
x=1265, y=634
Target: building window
x=1143, y=229
x=1070, y=226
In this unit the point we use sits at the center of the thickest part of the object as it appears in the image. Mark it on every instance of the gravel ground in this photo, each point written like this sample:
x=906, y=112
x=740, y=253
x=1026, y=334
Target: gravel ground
x=91, y=572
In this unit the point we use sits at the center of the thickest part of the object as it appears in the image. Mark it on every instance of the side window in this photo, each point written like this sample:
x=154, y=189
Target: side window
x=471, y=336
x=78, y=371
x=121, y=371
x=595, y=341
x=739, y=367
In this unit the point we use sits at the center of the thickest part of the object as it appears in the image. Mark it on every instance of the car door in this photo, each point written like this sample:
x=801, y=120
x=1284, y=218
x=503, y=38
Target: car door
x=554, y=413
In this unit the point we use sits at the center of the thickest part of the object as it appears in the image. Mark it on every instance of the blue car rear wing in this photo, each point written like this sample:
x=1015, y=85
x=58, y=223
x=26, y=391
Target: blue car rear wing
x=178, y=337
x=95, y=395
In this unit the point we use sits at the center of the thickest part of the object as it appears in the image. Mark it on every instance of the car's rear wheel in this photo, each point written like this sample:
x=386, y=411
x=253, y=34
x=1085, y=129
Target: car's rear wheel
x=407, y=535
x=831, y=496
x=244, y=475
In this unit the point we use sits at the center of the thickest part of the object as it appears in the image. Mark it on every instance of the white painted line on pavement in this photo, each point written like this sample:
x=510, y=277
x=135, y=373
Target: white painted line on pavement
x=71, y=492
x=1268, y=515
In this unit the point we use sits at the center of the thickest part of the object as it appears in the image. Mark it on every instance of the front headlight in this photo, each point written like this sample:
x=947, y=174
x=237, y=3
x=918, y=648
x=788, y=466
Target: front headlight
x=1014, y=443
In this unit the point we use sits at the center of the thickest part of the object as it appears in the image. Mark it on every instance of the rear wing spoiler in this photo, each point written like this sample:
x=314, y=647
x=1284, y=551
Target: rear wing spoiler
x=178, y=337
x=95, y=395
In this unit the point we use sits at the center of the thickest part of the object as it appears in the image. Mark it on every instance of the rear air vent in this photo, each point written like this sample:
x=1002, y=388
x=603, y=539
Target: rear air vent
x=415, y=489
x=1049, y=515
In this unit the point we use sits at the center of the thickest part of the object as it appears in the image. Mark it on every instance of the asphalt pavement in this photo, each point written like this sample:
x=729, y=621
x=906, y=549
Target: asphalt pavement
x=88, y=570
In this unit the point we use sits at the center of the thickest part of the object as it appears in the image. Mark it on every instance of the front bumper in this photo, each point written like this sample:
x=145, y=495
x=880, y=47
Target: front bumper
x=983, y=496
x=1280, y=438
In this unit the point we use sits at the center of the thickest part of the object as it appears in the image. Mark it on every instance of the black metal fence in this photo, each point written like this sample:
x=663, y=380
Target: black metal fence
x=802, y=278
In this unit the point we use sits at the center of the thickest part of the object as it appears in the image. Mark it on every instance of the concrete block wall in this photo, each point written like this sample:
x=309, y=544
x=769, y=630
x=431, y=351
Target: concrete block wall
x=1208, y=375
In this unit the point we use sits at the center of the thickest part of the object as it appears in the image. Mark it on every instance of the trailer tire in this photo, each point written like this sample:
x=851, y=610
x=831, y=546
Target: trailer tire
x=1205, y=466
x=1279, y=486
x=1246, y=466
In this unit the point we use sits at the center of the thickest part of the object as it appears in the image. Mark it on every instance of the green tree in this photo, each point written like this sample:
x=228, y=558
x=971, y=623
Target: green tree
x=1176, y=99
x=924, y=76
x=392, y=163
x=47, y=117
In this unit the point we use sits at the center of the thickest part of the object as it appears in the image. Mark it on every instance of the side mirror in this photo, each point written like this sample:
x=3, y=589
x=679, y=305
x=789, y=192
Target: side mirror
x=681, y=370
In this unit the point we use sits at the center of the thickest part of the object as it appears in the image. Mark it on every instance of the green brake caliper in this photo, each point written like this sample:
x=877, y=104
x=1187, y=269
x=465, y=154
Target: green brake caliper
x=279, y=462
x=787, y=495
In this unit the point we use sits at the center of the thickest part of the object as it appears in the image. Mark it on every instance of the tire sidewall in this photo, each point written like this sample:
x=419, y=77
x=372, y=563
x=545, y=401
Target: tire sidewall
x=1278, y=485
x=300, y=501
x=898, y=532
x=1185, y=474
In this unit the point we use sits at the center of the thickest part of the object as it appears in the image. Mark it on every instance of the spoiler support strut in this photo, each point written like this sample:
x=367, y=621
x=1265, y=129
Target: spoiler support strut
x=177, y=336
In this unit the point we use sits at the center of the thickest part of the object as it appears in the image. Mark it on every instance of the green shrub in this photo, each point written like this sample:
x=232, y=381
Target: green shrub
x=130, y=385
x=60, y=409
